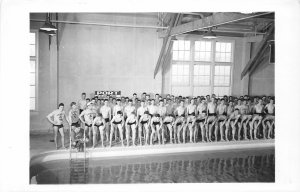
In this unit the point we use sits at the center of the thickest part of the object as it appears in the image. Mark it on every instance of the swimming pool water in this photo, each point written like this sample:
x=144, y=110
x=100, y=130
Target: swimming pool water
x=207, y=167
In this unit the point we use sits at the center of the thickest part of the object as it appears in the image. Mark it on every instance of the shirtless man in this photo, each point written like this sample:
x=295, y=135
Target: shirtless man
x=98, y=123
x=161, y=109
x=257, y=118
x=245, y=118
x=221, y=120
x=212, y=117
x=156, y=124
x=168, y=122
x=56, y=118
x=202, y=115
x=144, y=123
x=180, y=120
x=117, y=122
x=88, y=114
x=152, y=108
x=191, y=119
x=82, y=103
x=73, y=119
x=269, y=118
x=105, y=110
x=130, y=125
x=233, y=120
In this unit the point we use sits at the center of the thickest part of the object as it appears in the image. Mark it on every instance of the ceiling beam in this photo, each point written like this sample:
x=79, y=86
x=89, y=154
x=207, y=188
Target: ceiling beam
x=166, y=44
x=259, y=52
x=214, y=20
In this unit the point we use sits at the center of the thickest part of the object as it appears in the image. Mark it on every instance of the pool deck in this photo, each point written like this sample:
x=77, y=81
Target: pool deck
x=42, y=151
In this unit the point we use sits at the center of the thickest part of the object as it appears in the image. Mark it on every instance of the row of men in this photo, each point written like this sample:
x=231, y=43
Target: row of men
x=174, y=120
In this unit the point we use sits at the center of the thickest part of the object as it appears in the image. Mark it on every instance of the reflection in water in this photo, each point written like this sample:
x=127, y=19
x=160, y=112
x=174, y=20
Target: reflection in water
x=251, y=168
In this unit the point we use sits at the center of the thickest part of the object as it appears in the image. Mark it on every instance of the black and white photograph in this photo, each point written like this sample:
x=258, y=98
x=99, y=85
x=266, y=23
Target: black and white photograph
x=152, y=97
x=117, y=97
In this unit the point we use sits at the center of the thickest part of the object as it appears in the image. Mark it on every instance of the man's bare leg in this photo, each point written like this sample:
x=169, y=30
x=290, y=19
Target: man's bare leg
x=61, y=131
x=233, y=131
x=133, y=129
x=112, y=128
x=171, y=132
x=101, y=130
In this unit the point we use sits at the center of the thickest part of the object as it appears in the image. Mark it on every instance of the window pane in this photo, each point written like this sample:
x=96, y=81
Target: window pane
x=185, y=70
x=187, y=45
x=32, y=91
x=228, y=57
x=227, y=70
x=223, y=47
x=218, y=47
x=226, y=80
x=186, y=55
x=32, y=66
x=202, y=45
x=228, y=47
x=180, y=79
x=32, y=103
x=207, y=56
x=32, y=50
x=217, y=70
x=202, y=56
x=175, y=55
x=181, y=45
x=208, y=46
x=207, y=69
x=196, y=69
x=197, y=56
x=32, y=78
x=207, y=80
x=181, y=55
x=32, y=38
x=175, y=45
x=197, y=45
x=174, y=69
x=185, y=79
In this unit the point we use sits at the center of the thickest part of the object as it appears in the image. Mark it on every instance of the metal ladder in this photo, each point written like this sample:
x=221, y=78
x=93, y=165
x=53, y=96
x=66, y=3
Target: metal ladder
x=79, y=163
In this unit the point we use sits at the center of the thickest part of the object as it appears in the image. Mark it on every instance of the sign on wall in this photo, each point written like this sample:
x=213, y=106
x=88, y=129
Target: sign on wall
x=108, y=93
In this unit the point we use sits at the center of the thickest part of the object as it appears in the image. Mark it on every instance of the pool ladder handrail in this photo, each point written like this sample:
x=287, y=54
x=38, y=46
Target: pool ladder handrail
x=70, y=154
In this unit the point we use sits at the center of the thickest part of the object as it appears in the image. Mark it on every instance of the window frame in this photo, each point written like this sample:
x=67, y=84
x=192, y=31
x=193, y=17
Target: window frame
x=192, y=62
x=36, y=59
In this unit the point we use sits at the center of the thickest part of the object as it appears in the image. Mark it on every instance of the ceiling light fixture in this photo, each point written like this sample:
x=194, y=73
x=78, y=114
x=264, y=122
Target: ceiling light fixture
x=48, y=25
x=209, y=34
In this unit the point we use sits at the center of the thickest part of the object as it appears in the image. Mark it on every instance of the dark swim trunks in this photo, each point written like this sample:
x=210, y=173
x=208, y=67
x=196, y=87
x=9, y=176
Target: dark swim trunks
x=59, y=126
x=77, y=124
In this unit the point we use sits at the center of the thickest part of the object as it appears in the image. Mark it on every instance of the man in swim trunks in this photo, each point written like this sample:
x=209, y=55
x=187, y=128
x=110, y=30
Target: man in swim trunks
x=73, y=119
x=191, y=119
x=156, y=124
x=130, y=125
x=269, y=118
x=98, y=123
x=56, y=118
x=168, y=122
x=180, y=120
x=233, y=120
x=105, y=111
x=88, y=114
x=245, y=118
x=144, y=123
x=202, y=115
x=221, y=119
x=212, y=117
x=82, y=102
x=117, y=122
x=257, y=118
x=152, y=108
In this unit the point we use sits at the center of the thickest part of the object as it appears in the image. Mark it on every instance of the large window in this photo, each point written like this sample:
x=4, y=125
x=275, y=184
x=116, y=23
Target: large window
x=208, y=62
x=33, y=70
x=181, y=50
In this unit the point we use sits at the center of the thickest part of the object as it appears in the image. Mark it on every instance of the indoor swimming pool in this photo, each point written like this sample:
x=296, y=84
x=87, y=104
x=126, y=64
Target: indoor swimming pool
x=247, y=165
